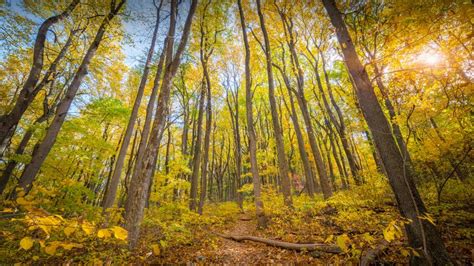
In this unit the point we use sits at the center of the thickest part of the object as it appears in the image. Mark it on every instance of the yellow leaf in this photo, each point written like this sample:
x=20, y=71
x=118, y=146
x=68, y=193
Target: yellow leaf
x=59, y=217
x=35, y=258
x=45, y=229
x=104, y=233
x=26, y=243
x=22, y=201
x=405, y=253
x=156, y=249
x=329, y=239
x=20, y=192
x=389, y=234
x=341, y=242
x=87, y=228
x=120, y=233
x=69, y=230
x=416, y=254
x=8, y=210
x=51, y=249
x=368, y=238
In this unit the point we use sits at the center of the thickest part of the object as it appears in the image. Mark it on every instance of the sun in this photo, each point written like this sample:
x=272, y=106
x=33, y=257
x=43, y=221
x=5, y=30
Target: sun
x=429, y=58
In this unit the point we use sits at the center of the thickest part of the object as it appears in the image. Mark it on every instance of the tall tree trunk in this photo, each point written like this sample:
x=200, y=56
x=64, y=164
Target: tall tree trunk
x=391, y=112
x=38, y=157
x=261, y=218
x=117, y=172
x=303, y=104
x=282, y=161
x=149, y=115
x=421, y=233
x=206, y=50
x=207, y=138
x=299, y=136
x=340, y=125
x=138, y=191
x=237, y=141
x=197, y=151
x=9, y=121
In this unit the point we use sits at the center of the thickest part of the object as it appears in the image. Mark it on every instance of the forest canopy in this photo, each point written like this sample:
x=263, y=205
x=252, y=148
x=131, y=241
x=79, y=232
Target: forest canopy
x=236, y=132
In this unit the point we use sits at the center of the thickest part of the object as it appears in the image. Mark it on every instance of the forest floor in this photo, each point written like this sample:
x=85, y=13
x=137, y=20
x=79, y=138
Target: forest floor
x=229, y=252
x=356, y=221
x=347, y=220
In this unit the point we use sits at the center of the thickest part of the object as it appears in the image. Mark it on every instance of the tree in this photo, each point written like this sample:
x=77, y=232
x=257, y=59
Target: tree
x=260, y=211
x=135, y=203
x=30, y=90
x=282, y=161
x=39, y=155
x=115, y=178
x=421, y=233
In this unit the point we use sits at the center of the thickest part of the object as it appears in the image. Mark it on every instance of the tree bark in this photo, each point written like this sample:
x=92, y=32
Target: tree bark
x=299, y=136
x=138, y=191
x=282, y=161
x=117, y=172
x=260, y=211
x=197, y=151
x=303, y=104
x=421, y=233
x=205, y=161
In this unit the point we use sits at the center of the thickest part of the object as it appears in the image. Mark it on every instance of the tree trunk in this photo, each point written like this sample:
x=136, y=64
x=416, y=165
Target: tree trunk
x=340, y=125
x=38, y=157
x=9, y=121
x=391, y=112
x=303, y=104
x=299, y=137
x=138, y=191
x=280, y=146
x=207, y=138
x=197, y=151
x=421, y=233
x=261, y=218
x=115, y=180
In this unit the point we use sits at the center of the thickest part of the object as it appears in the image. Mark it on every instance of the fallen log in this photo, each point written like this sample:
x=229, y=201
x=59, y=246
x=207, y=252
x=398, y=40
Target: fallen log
x=286, y=245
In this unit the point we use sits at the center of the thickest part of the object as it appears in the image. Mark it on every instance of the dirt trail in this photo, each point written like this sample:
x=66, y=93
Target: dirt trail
x=237, y=252
x=247, y=252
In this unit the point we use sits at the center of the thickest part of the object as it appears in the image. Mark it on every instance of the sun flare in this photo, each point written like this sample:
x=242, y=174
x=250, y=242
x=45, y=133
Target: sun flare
x=429, y=58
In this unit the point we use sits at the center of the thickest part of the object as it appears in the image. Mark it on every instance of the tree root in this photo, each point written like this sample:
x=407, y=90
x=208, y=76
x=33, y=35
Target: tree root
x=286, y=245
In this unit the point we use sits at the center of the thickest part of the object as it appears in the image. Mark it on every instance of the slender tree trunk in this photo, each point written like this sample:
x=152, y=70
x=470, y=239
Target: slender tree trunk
x=391, y=112
x=421, y=233
x=302, y=102
x=197, y=151
x=282, y=161
x=38, y=157
x=237, y=141
x=117, y=172
x=260, y=211
x=299, y=137
x=138, y=191
x=207, y=138
x=9, y=121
